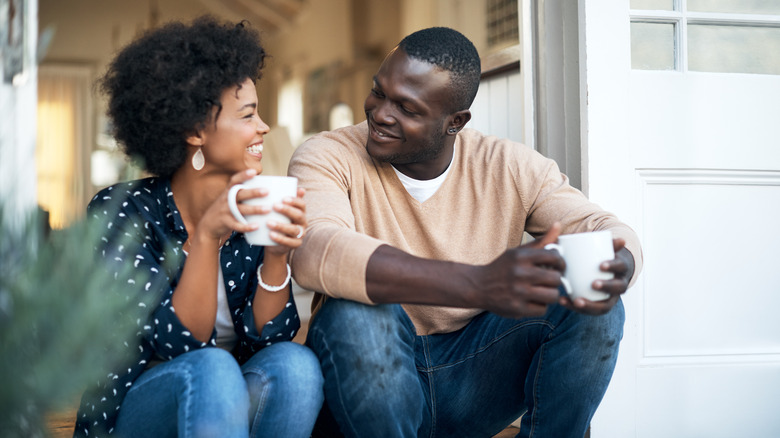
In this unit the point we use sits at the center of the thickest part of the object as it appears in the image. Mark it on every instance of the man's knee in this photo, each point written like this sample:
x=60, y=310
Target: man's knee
x=599, y=336
x=365, y=347
x=356, y=328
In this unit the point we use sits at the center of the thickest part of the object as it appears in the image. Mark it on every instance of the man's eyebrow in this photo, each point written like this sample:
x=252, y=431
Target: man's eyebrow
x=400, y=99
x=252, y=105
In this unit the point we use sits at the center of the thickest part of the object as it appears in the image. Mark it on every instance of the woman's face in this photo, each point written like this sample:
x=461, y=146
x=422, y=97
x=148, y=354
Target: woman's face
x=235, y=141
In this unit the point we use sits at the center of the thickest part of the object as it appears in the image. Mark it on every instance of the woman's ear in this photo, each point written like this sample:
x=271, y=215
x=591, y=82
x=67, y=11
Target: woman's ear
x=196, y=138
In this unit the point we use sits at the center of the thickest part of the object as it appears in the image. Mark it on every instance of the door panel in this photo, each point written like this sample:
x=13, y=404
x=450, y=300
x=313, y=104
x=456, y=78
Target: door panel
x=719, y=291
x=743, y=404
x=691, y=161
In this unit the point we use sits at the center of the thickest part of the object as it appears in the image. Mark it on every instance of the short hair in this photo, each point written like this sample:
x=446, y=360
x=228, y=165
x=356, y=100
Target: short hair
x=163, y=86
x=450, y=50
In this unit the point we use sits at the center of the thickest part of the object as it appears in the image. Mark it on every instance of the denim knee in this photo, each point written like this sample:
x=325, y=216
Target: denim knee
x=216, y=373
x=609, y=326
x=285, y=389
x=599, y=336
x=359, y=332
x=292, y=367
x=367, y=356
x=218, y=400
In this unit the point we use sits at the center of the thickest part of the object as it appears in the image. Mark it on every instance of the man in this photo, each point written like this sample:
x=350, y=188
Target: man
x=447, y=325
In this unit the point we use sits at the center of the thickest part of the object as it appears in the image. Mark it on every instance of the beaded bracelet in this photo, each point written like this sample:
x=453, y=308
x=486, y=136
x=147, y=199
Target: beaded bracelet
x=273, y=288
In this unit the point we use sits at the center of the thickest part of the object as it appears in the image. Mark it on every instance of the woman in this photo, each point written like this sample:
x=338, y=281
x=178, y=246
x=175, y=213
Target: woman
x=183, y=101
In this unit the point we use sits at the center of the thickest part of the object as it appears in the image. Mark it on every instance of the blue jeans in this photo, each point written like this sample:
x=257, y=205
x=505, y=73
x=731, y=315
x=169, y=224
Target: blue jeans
x=383, y=380
x=204, y=393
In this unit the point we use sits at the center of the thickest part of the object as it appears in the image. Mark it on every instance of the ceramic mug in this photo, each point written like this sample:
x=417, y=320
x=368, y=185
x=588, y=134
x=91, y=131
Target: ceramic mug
x=279, y=187
x=584, y=253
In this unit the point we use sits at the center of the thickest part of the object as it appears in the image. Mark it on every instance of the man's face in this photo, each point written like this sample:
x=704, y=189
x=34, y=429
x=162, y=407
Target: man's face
x=407, y=114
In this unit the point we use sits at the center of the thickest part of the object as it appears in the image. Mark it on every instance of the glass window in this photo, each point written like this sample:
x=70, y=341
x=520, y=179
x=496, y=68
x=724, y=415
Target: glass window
x=653, y=5
x=502, y=22
x=652, y=46
x=733, y=49
x=771, y=7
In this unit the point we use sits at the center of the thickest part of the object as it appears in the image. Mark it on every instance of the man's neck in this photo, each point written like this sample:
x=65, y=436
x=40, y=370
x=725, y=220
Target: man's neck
x=430, y=169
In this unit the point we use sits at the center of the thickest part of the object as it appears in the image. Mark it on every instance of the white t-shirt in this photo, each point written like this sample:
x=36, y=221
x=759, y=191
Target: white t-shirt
x=226, y=334
x=421, y=190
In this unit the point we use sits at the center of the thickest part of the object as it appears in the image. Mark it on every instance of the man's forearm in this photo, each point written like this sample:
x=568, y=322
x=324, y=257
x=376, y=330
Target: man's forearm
x=393, y=276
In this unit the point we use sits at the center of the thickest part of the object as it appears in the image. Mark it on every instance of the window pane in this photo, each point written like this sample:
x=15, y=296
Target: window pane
x=771, y=7
x=652, y=46
x=734, y=49
x=502, y=22
x=653, y=5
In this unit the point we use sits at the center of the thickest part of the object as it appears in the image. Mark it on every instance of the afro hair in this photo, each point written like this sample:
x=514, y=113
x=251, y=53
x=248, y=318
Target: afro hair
x=163, y=86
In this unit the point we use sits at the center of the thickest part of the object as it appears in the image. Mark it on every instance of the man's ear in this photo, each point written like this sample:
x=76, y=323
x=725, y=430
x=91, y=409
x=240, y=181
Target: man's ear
x=459, y=120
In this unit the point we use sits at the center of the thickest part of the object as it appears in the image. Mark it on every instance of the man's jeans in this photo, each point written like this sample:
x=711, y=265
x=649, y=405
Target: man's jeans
x=204, y=393
x=383, y=380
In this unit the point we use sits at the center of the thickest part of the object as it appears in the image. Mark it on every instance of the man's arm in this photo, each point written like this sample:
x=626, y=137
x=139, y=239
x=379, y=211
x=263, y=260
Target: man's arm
x=340, y=262
x=521, y=282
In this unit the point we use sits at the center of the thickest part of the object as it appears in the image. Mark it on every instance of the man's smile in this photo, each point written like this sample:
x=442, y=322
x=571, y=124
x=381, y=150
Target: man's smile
x=378, y=134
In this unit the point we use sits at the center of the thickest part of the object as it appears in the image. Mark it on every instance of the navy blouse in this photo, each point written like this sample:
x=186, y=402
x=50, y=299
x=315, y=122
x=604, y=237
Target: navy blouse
x=142, y=228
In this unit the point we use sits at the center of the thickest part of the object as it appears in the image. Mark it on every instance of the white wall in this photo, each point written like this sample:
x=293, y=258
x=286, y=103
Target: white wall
x=17, y=128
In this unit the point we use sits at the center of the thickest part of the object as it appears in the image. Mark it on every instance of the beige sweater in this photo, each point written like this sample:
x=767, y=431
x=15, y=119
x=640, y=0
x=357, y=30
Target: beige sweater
x=495, y=190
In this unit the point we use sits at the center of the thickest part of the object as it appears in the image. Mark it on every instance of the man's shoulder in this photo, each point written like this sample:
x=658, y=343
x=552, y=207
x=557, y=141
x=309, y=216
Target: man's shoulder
x=494, y=149
x=351, y=138
x=343, y=147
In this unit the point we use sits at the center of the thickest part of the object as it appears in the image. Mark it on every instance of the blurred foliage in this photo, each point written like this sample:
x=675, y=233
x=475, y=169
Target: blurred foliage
x=62, y=323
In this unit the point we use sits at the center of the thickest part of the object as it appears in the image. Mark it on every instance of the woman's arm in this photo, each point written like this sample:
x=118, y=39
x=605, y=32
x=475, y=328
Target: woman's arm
x=138, y=246
x=275, y=269
x=195, y=297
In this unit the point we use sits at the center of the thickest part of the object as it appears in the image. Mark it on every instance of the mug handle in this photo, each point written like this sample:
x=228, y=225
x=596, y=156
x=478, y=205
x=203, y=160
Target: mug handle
x=231, y=198
x=555, y=246
x=564, y=280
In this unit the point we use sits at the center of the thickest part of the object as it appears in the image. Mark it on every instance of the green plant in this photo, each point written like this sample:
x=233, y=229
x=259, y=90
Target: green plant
x=62, y=324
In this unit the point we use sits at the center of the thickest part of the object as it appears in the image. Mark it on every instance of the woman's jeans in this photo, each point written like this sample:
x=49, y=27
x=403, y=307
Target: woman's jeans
x=381, y=380
x=204, y=393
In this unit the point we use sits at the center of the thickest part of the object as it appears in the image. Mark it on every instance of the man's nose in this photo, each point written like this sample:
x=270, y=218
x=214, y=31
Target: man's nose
x=383, y=112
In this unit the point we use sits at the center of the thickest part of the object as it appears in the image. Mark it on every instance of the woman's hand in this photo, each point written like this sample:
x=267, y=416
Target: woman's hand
x=217, y=223
x=288, y=236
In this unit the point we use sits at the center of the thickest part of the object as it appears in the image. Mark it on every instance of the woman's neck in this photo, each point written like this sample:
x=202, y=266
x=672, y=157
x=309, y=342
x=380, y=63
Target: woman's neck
x=194, y=192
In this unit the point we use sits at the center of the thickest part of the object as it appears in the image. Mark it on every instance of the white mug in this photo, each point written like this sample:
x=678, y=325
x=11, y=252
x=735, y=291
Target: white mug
x=279, y=187
x=584, y=253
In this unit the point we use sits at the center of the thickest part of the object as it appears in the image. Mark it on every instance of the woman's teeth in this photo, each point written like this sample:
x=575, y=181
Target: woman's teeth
x=255, y=149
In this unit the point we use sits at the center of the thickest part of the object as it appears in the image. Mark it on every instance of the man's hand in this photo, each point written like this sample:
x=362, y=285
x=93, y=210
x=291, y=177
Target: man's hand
x=523, y=281
x=623, y=268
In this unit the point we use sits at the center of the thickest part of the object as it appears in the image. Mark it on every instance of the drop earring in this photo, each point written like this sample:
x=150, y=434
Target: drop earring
x=198, y=160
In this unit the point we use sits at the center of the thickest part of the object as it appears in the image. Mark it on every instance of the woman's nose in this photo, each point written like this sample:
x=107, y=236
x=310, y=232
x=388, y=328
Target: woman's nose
x=262, y=128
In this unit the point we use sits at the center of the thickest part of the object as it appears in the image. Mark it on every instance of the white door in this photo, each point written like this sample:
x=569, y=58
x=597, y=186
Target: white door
x=681, y=134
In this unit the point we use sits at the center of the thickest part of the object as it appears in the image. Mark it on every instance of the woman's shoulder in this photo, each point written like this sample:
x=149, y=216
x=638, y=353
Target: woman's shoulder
x=131, y=194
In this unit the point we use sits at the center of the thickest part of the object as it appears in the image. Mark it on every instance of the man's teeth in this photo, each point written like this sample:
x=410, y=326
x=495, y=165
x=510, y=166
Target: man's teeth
x=255, y=149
